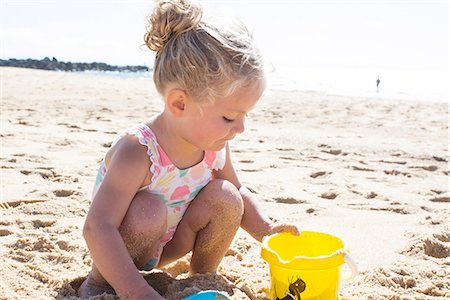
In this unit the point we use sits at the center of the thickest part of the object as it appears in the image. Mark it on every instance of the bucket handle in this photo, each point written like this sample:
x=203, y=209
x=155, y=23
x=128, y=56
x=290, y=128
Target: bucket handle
x=352, y=265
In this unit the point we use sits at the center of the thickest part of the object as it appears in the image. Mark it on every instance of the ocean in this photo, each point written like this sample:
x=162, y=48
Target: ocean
x=415, y=85
x=394, y=84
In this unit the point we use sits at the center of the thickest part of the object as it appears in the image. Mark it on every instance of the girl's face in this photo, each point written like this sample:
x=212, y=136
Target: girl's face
x=212, y=125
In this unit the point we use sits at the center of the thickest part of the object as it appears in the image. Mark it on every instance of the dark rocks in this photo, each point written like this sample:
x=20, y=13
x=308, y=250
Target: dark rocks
x=54, y=64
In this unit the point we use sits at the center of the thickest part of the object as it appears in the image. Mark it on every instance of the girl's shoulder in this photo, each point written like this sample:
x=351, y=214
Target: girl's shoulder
x=129, y=144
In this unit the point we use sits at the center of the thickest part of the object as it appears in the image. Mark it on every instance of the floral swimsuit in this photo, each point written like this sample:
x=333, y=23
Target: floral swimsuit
x=175, y=187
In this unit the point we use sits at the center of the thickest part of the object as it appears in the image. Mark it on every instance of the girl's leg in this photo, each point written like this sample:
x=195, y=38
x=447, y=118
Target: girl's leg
x=207, y=228
x=142, y=227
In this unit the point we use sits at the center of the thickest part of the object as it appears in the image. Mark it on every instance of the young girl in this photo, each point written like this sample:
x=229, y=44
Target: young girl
x=167, y=186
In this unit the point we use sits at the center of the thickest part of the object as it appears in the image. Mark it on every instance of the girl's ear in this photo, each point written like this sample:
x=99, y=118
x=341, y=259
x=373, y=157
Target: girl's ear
x=176, y=101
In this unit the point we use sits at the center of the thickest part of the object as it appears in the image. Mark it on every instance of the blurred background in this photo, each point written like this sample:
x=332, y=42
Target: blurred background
x=338, y=47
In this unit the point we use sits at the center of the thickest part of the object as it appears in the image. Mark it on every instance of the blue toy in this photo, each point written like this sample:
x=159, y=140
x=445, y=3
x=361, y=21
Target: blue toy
x=208, y=295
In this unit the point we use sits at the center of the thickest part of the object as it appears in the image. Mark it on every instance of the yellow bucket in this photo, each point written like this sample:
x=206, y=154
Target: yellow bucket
x=306, y=266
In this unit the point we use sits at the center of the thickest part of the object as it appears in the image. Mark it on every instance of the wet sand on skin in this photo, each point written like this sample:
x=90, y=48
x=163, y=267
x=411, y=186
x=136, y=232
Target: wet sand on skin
x=374, y=172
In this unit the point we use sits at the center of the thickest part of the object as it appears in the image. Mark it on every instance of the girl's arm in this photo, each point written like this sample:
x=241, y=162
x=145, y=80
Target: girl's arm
x=253, y=220
x=127, y=169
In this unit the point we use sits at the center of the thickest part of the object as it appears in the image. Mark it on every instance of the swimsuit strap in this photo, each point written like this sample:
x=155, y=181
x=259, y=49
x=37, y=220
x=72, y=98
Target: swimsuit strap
x=147, y=137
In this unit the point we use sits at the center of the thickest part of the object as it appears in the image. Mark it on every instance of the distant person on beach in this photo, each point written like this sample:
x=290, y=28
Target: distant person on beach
x=167, y=186
x=378, y=82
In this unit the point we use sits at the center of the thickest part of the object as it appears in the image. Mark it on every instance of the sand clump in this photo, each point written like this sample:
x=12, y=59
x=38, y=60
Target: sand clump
x=430, y=246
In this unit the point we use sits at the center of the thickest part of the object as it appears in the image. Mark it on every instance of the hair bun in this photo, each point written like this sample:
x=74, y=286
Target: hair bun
x=170, y=18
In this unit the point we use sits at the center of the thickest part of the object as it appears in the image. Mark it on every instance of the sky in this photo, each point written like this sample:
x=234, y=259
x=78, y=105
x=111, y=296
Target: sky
x=327, y=34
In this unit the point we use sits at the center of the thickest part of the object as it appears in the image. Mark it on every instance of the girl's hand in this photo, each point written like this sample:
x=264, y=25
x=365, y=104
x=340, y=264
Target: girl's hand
x=283, y=227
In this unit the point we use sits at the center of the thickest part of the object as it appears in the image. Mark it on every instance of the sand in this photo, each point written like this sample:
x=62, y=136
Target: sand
x=373, y=172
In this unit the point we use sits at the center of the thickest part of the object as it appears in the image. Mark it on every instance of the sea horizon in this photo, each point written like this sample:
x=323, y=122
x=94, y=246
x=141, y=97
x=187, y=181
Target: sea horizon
x=413, y=85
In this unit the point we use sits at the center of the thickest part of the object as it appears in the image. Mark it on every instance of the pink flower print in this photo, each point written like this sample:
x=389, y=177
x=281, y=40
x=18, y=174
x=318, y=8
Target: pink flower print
x=163, y=159
x=210, y=156
x=180, y=192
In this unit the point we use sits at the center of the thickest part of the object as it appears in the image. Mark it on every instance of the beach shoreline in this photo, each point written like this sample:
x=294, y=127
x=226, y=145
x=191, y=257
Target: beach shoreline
x=371, y=171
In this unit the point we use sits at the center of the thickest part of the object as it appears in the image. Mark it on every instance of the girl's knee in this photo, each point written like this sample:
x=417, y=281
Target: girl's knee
x=146, y=216
x=226, y=197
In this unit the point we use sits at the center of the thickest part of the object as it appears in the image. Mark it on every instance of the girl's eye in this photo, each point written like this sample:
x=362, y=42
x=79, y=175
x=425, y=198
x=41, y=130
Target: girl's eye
x=227, y=120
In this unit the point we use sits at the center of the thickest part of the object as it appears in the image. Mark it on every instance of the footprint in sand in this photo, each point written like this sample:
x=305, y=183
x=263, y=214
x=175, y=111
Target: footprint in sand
x=288, y=200
x=19, y=154
x=393, y=162
x=332, y=151
x=444, y=199
x=431, y=168
x=246, y=161
x=251, y=170
x=71, y=126
x=65, y=179
x=41, y=244
x=45, y=173
x=63, y=193
x=26, y=123
x=285, y=149
x=356, y=168
x=440, y=159
x=15, y=203
x=310, y=210
x=21, y=255
x=442, y=237
x=433, y=221
x=399, y=210
x=66, y=246
x=288, y=158
x=5, y=232
x=371, y=195
x=42, y=223
x=437, y=191
x=64, y=142
x=427, y=209
x=396, y=172
x=329, y=195
x=319, y=174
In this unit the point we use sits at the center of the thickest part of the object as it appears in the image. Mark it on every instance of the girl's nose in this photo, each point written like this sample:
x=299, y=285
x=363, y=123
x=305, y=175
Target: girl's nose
x=240, y=126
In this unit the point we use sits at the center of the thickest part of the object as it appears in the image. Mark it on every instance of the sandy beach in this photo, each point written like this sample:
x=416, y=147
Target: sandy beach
x=373, y=172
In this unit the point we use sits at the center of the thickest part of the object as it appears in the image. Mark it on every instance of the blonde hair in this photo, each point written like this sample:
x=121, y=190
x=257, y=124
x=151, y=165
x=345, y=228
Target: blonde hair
x=203, y=59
